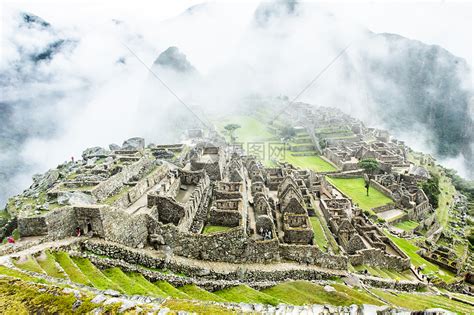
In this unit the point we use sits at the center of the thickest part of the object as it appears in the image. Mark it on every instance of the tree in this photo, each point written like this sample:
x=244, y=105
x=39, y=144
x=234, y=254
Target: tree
x=287, y=133
x=370, y=166
x=431, y=189
x=230, y=129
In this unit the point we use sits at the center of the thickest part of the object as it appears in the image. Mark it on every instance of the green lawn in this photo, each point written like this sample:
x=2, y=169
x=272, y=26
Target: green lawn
x=197, y=293
x=355, y=189
x=407, y=225
x=169, y=290
x=429, y=268
x=250, y=129
x=128, y=285
x=386, y=273
x=16, y=274
x=214, y=228
x=48, y=264
x=420, y=301
x=152, y=289
x=312, y=162
x=319, y=237
x=74, y=273
x=95, y=276
x=245, y=294
x=305, y=292
x=193, y=307
x=29, y=264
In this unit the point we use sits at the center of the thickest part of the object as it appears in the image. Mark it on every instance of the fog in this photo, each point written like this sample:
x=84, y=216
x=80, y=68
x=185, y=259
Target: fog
x=94, y=91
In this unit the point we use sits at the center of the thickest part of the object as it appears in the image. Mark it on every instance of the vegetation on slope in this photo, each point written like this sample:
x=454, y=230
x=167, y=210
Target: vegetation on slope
x=19, y=297
x=95, y=276
x=48, y=264
x=428, y=268
x=28, y=263
x=197, y=293
x=171, y=291
x=73, y=272
x=319, y=237
x=305, y=292
x=152, y=289
x=245, y=294
x=422, y=301
x=128, y=285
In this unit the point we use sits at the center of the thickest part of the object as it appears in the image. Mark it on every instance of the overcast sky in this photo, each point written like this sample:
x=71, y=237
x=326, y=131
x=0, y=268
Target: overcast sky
x=445, y=23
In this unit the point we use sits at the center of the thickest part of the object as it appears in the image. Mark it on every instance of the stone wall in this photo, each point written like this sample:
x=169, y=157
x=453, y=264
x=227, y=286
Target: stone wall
x=379, y=258
x=112, y=185
x=308, y=254
x=381, y=188
x=230, y=246
x=32, y=226
x=383, y=208
x=229, y=218
x=160, y=261
x=61, y=223
x=126, y=229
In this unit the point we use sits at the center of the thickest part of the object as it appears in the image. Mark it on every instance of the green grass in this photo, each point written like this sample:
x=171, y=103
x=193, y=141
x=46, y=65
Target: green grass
x=406, y=225
x=312, y=162
x=48, y=264
x=319, y=237
x=214, y=228
x=193, y=307
x=355, y=189
x=304, y=292
x=418, y=302
x=20, y=297
x=359, y=295
x=29, y=264
x=169, y=290
x=152, y=289
x=197, y=293
x=128, y=285
x=95, y=276
x=386, y=273
x=429, y=268
x=250, y=129
x=16, y=274
x=245, y=294
x=73, y=272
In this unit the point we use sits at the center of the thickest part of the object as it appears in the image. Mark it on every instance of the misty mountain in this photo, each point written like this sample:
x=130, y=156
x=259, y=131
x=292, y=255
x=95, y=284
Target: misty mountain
x=407, y=85
x=429, y=91
x=173, y=59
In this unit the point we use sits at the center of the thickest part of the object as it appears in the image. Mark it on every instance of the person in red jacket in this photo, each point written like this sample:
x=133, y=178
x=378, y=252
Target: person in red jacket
x=10, y=240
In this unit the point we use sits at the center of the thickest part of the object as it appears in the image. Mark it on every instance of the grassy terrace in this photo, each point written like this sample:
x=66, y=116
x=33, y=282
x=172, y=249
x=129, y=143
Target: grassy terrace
x=386, y=273
x=429, y=268
x=355, y=189
x=312, y=162
x=407, y=225
x=447, y=190
x=47, y=262
x=214, y=228
x=254, y=131
x=304, y=292
x=292, y=292
x=319, y=237
x=245, y=294
x=420, y=301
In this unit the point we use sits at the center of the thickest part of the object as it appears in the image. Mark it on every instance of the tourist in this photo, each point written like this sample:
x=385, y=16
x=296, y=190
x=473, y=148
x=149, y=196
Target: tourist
x=10, y=240
x=78, y=231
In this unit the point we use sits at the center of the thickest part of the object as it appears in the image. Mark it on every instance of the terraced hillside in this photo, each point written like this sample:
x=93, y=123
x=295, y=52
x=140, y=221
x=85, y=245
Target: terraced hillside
x=61, y=266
